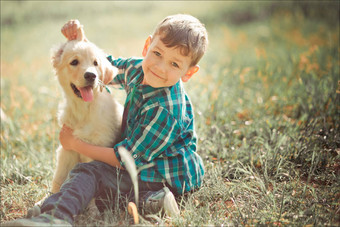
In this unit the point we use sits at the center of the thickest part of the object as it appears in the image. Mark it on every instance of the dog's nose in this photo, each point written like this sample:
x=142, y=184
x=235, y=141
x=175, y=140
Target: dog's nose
x=90, y=77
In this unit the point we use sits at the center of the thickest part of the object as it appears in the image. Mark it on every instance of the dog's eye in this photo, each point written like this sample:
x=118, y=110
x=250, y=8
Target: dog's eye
x=95, y=63
x=74, y=62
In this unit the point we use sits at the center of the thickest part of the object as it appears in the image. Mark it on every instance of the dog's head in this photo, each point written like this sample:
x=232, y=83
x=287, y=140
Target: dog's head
x=81, y=68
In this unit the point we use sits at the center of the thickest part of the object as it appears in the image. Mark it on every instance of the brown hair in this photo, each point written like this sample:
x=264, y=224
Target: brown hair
x=185, y=32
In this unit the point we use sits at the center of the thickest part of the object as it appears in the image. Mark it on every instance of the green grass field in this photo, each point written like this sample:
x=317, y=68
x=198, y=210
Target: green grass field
x=266, y=105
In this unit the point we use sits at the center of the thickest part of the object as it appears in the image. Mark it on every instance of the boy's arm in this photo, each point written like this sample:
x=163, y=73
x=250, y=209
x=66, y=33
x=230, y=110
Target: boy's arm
x=103, y=154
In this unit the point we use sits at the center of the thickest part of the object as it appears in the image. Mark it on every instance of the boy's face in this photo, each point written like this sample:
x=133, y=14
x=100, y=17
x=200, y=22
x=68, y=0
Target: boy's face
x=164, y=66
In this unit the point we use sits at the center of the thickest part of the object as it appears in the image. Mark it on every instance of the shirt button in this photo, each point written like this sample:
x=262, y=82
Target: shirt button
x=135, y=156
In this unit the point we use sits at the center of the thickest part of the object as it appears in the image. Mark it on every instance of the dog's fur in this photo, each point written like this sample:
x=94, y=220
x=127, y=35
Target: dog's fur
x=93, y=114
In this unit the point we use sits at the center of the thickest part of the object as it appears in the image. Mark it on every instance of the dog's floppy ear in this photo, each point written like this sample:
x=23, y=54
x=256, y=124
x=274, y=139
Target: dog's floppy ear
x=108, y=71
x=56, y=55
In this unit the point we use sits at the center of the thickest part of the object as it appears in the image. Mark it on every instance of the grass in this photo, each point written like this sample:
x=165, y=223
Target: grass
x=266, y=104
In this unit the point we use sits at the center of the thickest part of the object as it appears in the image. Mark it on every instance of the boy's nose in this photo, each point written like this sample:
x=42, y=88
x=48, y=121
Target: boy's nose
x=160, y=67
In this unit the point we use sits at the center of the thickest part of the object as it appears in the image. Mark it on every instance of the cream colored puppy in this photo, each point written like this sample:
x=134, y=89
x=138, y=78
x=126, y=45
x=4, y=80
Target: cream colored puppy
x=91, y=111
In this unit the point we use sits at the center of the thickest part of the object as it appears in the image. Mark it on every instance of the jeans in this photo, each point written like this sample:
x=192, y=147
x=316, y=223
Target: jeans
x=93, y=180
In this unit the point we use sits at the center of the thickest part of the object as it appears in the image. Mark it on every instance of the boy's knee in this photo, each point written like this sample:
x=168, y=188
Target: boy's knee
x=94, y=167
x=86, y=167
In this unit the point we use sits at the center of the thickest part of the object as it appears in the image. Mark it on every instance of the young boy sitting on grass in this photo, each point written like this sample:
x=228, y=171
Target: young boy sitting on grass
x=157, y=127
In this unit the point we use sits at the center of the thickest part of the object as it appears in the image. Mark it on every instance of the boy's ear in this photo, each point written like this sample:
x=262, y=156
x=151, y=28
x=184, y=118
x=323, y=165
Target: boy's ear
x=192, y=70
x=146, y=45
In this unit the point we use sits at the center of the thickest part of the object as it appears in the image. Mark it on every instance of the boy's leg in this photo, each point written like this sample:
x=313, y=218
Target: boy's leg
x=115, y=192
x=86, y=181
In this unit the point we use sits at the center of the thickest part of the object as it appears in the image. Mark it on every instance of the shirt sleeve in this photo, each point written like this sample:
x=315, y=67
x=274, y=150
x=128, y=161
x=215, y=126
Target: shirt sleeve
x=154, y=132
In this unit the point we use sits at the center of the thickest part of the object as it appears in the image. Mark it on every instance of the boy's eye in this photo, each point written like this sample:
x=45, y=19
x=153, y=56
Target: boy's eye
x=157, y=53
x=95, y=63
x=174, y=64
x=74, y=62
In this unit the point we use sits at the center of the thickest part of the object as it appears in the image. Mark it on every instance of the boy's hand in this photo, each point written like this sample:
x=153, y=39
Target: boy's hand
x=73, y=30
x=66, y=138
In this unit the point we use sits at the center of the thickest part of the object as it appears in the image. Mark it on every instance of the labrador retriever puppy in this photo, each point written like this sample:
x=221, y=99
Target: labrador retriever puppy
x=91, y=111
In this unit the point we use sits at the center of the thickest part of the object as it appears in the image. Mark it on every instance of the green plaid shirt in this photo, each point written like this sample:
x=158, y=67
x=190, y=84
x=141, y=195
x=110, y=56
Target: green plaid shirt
x=160, y=129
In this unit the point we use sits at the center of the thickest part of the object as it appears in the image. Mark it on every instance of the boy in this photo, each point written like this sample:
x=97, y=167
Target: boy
x=157, y=127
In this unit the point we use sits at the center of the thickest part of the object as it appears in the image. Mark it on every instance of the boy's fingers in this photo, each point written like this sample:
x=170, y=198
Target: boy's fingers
x=70, y=33
x=66, y=31
x=65, y=128
x=76, y=23
x=63, y=30
x=69, y=30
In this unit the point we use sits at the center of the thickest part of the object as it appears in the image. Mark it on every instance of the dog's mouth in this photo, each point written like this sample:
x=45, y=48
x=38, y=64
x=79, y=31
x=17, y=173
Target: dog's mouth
x=75, y=90
x=85, y=93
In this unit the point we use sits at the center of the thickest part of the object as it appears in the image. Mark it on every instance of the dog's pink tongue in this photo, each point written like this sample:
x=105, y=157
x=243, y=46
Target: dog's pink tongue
x=86, y=93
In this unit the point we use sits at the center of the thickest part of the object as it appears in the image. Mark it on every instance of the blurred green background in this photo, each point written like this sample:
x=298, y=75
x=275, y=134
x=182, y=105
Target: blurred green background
x=266, y=103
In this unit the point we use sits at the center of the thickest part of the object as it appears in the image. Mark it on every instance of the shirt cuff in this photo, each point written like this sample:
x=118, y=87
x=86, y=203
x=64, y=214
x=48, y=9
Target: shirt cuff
x=118, y=157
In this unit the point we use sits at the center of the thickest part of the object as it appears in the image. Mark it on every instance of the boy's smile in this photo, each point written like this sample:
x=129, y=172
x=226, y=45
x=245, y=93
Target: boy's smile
x=164, y=66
